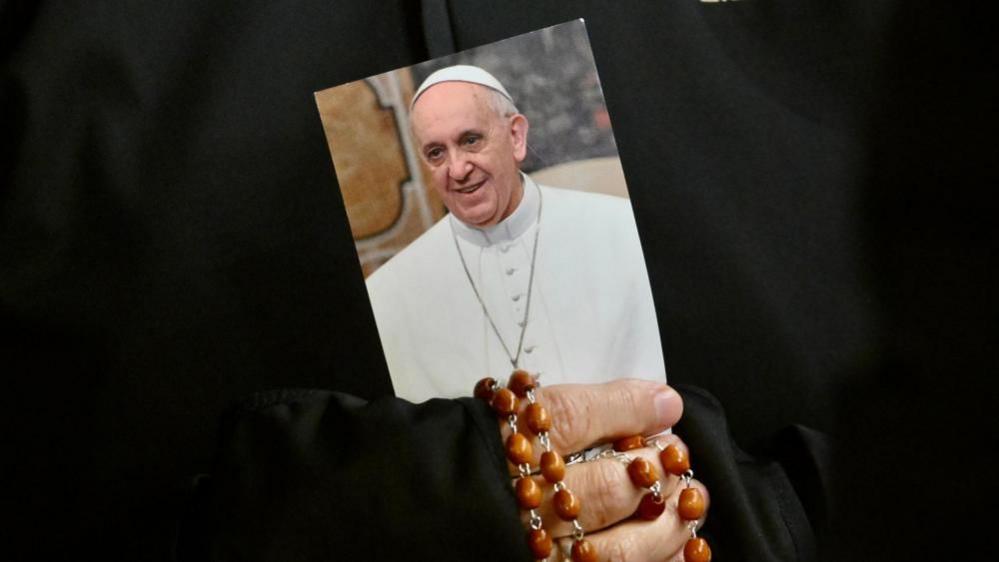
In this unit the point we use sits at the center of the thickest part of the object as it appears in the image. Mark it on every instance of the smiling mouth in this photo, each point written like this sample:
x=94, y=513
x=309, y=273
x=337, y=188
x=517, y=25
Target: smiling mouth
x=470, y=189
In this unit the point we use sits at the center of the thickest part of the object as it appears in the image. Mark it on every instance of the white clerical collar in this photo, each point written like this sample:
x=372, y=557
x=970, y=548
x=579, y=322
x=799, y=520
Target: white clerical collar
x=508, y=229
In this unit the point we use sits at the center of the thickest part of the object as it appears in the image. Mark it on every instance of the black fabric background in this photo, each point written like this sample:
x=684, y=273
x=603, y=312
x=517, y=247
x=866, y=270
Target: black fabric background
x=808, y=181
x=316, y=475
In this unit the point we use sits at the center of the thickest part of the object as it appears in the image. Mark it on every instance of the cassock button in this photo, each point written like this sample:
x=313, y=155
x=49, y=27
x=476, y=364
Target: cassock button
x=529, y=348
x=505, y=248
x=517, y=297
x=511, y=270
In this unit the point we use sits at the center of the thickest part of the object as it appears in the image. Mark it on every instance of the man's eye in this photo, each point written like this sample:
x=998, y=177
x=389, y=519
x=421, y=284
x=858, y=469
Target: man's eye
x=434, y=154
x=471, y=140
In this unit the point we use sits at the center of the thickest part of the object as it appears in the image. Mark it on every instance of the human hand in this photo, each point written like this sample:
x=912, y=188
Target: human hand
x=584, y=416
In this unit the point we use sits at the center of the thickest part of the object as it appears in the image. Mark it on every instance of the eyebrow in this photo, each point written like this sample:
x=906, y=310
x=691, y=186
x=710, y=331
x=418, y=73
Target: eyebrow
x=461, y=135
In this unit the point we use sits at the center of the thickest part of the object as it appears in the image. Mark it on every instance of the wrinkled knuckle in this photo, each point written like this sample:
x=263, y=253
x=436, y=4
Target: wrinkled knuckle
x=623, y=549
x=570, y=419
x=558, y=407
x=629, y=396
x=608, y=493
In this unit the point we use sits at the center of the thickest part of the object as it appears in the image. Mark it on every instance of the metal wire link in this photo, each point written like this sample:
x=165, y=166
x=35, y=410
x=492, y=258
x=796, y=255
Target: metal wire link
x=623, y=458
x=576, y=458
x=657, y=489
x=535, y=520
x=687, y=477
x=546, y=443
x=577, y=530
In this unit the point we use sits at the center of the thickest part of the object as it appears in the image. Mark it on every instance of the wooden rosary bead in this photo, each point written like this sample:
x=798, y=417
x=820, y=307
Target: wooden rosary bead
x=520, y=382
x=566, y=504
x=691, y=504
x=583, y=551
x=540, y=543
x=642, y=473
x=537, y=418
x=484, y=389
x=697, y=550
x=518, y=449
x=674, y=460
x=504, y=402
x=528, y=493
x=552, y=467
x=651, y=506
x=629, y=443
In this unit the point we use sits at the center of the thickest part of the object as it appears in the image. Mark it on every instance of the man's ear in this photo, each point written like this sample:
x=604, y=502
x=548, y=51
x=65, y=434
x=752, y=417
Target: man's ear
x=518, y=133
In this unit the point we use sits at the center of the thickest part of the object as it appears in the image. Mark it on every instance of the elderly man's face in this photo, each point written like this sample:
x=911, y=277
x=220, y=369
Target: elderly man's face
x=473, y=153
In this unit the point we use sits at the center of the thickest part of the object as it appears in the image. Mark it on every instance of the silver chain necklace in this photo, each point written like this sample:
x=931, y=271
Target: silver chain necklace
x=514, y=359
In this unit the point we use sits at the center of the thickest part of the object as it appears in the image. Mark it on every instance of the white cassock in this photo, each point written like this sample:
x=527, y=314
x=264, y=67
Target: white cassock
x=591, y=313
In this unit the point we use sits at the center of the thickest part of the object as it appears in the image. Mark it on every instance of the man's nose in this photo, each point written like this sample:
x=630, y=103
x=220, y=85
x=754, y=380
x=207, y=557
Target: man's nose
x=459, y=167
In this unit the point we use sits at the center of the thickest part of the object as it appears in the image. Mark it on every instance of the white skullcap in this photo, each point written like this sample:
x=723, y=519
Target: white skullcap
x=461, y=73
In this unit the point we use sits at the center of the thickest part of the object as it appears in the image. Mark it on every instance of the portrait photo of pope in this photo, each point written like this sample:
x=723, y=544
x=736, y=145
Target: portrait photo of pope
x=491, y=217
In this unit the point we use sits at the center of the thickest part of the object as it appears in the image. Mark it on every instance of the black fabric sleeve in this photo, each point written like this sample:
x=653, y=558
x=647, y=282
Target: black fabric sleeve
x=318, y=475
x=769, y=505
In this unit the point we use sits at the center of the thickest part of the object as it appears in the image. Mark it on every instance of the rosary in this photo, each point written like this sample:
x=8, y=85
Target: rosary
x=506, y=402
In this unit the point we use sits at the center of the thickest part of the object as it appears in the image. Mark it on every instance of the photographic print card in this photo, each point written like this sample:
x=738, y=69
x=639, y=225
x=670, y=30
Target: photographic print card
x=491, y=218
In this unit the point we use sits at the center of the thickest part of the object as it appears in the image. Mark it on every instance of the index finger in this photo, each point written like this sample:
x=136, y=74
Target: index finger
x=587, y=414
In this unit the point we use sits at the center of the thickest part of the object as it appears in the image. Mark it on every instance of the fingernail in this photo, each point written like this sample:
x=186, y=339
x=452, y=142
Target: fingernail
x=667, y=406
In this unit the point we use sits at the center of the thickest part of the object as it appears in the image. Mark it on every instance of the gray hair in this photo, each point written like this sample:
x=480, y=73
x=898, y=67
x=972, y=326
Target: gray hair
x=501, y=104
